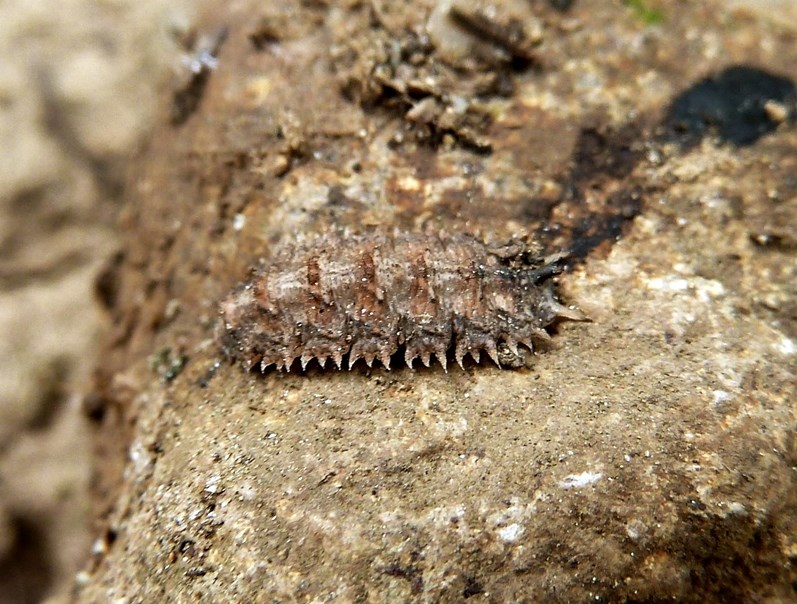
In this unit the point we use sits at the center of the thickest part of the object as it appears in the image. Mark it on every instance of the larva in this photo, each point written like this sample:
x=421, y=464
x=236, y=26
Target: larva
x=366, y=296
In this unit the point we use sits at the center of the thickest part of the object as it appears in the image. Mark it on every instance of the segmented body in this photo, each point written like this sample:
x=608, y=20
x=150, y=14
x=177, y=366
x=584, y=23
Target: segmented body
x=366, y=296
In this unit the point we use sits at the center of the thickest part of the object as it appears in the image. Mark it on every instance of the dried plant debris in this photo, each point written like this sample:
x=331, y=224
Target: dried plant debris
x=366, y=296
x=441, y=78
x=497, y=32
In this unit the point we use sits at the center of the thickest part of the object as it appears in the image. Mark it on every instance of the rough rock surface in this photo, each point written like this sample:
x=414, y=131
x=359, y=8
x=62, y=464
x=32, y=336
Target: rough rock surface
x=646, y=456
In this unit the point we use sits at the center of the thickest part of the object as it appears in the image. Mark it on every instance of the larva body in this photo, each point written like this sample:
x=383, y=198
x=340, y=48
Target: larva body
x=366, y=296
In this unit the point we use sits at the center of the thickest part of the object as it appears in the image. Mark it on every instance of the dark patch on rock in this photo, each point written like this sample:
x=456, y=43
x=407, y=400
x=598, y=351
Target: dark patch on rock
x=472, y=588
x=738, y=105
x=409, y=572
x=54, y=393
x=26, y=572
x=600, y=194
x=106, y=284
x=602, y=153
x=561, y=5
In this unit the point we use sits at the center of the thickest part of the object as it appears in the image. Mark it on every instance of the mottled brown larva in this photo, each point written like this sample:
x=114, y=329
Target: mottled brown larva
x=365, y=296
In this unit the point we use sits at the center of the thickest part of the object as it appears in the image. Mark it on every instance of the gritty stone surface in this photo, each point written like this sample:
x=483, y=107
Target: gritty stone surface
x=646, y=456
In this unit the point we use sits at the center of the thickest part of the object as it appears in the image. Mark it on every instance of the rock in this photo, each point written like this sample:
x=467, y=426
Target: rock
x=647, y=455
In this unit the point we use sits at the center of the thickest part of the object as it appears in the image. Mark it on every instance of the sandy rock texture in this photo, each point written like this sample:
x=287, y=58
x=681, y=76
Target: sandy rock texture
x=646, y=456
x=77, y=92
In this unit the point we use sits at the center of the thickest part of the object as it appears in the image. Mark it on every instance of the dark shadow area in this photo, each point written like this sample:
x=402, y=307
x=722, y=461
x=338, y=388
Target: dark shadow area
x=738, y=105
x=598, y=209
x=54, y=376
x=561, y=5
x=26, y=573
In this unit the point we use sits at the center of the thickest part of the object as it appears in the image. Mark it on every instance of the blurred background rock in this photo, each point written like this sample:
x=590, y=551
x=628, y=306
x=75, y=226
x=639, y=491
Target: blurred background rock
x=78, y=92
x=78, y=83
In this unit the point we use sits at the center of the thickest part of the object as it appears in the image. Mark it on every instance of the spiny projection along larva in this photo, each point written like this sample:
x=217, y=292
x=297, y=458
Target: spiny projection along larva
x=366, y=296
